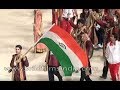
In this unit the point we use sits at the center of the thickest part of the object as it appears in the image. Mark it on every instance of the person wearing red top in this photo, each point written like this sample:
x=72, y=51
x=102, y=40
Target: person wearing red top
x=88, y=48
x=108, y=30
x=53, y=66
x=67, y=15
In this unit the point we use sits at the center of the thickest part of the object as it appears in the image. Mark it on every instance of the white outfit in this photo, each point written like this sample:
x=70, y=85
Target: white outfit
x=97, y=27
x=68, y=13
x=113, y=53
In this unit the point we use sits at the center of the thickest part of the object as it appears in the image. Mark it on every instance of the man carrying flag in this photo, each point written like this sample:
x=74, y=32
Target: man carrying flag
x=18, y=65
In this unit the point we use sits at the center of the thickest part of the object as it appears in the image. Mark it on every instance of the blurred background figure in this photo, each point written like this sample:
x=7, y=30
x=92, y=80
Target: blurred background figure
x=40, y=47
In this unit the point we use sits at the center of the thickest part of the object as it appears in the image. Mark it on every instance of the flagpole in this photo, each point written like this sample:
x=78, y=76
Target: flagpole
x=42, y=36
x=35, y=43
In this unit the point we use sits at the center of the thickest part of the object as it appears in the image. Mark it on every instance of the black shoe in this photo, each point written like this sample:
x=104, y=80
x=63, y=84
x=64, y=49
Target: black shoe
x=103, y=77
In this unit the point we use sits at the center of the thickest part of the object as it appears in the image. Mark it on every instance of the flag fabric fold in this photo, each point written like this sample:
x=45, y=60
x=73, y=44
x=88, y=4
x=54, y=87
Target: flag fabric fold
x=69, y=54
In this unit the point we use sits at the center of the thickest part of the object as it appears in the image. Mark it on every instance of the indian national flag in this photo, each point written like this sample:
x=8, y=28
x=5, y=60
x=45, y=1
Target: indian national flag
x=66, y=49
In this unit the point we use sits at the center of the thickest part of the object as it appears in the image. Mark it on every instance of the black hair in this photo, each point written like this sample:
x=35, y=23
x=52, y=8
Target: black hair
x=82, y=15
x=115, y=36
x=19, y=46
x=81, y=21
x=97, y=10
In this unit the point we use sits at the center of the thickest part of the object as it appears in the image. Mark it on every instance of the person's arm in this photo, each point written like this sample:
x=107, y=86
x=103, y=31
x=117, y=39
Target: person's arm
x=12, y=61
x=72, y=24
x=47, y=57
x=82, y=30
x=75, y=11
x=107, y=51
x=60, y=14
x=93, y=16
x=89, y=48
x=102, y=12
x=25, y=61
x=90, y=27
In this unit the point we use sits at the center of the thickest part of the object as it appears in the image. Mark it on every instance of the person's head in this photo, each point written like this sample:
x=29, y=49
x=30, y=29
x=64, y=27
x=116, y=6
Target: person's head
x=80, y=23
x=113, y=38
x=94, y=10
x=108, y=24
x=18, y=49
x=99, y=10
x=86, y=11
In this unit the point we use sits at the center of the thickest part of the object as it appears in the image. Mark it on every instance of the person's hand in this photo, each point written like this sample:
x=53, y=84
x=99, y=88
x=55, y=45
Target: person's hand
x=39, y=33
x=24, y=58
x=84, y=27
x=18, y=61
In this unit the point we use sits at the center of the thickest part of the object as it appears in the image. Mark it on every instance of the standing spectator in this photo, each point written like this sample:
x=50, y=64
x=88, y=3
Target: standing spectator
x=40, y=47
x=87, y=47
x=53, y=65
x=113, y=57
x=67, y=15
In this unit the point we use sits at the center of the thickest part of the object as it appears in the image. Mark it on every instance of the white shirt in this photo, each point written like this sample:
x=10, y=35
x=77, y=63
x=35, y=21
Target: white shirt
x=113, y=53
x=68, y=13
x=15, y=63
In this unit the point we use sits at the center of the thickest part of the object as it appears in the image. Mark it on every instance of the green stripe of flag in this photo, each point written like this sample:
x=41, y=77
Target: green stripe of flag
x=60, y=55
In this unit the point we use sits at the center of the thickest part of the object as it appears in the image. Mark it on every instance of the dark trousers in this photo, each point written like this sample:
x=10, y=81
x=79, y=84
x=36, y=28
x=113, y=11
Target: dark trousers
x=99, y=34
x=53, y=71
x=105, y=69
x=84, y=76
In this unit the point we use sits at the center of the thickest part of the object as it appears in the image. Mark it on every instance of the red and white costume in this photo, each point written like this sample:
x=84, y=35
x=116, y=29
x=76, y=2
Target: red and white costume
x=113, y=57
x=67, y=15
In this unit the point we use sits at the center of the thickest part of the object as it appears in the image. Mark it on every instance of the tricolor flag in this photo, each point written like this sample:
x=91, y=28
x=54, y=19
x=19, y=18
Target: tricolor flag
x=66, y=49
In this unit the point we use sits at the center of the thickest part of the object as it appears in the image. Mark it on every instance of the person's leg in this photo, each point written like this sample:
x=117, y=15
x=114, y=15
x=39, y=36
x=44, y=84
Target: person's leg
x=116, y=71
x=100, y=36
x=56, y=72
x=89, y=64
x=112, y=71
x=105, y=70
x=50, y=73
x=87, y=78
x=91, y=35
x=82, y=74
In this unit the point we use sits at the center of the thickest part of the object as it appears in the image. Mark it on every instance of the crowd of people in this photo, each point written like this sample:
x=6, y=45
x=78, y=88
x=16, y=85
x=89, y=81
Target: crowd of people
x=94, y=29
